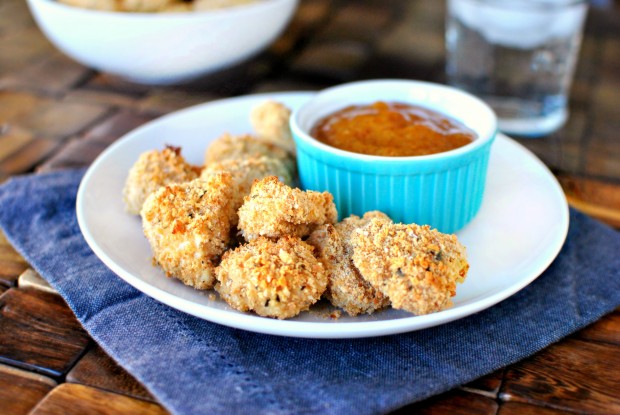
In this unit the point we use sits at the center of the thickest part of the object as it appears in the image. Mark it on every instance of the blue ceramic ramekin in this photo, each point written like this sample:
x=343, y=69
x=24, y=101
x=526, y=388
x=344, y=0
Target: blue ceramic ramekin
x=443, y=190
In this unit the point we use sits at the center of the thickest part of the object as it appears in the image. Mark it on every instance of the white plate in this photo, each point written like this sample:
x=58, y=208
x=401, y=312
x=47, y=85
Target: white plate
x=518, y=232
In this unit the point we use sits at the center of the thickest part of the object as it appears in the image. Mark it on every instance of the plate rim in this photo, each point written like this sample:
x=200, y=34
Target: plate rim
x=293, y=328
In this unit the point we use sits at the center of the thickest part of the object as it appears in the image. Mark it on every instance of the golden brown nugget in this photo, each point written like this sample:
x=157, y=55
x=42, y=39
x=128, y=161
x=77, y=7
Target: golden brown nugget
x=244, y=146
x=108, y=5
x=144, y=5
x=244, y=172
x=188, y=228
x=270, y=121
x=177, y=7
x=272, y=278
x=153, y=170
x=122, y=5
x=218, y=4
x=273, y=209
x=415, y=266
x=345, y=288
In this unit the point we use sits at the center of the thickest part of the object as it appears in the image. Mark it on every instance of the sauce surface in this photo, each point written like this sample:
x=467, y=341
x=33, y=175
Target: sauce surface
x=392, y=130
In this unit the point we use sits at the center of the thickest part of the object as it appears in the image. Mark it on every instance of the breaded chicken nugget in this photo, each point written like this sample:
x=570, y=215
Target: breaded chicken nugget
x=415, y=266
x=229, y=146
x=109, y=5
x=274, y=209
x=153, y=170
x=346, y=288
x=244, y=172
x=272, y=278
x=270, y=121
x=144, y=5
x=188, y=228
x=218, y=4
x=177, y=7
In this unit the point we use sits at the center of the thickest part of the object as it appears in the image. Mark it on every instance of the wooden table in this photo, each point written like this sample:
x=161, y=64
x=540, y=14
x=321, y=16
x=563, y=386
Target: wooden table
x=55, y=113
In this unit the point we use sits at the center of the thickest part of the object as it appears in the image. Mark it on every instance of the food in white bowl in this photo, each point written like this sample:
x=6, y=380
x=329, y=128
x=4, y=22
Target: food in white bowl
x=162, y=48
x=155, y=5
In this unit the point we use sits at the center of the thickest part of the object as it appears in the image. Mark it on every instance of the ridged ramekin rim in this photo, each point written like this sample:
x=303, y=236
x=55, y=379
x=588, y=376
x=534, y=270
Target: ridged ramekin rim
x=300, y=135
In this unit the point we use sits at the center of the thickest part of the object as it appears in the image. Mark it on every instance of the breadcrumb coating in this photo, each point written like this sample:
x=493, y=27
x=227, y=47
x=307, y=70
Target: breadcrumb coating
x=270, y=120
x=244, y=172
x=152, y=170
x=144, y=5
x=346, y=288
x=272, y=278
x=361, y=264
x=415, y=266
x=188, y=227
x=155, y=5
x=274, y=209
x=244, y=146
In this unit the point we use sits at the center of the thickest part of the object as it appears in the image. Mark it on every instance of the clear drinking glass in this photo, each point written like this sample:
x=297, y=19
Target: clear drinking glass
x=517, y=55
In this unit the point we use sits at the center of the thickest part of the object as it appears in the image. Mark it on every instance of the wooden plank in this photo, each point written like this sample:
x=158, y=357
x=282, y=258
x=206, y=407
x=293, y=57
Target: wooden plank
x=486, y=385
x=455, y=402
x=53, y=75
x=596, y=198
x=359, y=22
x=28, y=156
x=518, y=408
x=74, y=399
x=20, y=391
x=14, y=104
x=11, y=263
x=102, y=98
x=13, y=138
x=75, y=154
x=21, y=47
x=10, y=271
x=162, y=101
x=605, y=330
x=333, y=59
x=45, y=116
x=38, y=332
x=111, y=128
x=309, y=14
x=573, y=375
x=98, y=370
x=14, y=15
x=61, y=119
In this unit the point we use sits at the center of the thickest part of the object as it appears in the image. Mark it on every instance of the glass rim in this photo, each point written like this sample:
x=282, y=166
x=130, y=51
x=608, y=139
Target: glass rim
x=524, y=5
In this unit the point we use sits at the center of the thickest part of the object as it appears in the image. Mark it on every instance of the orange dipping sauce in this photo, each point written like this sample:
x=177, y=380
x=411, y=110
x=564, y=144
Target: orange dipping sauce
x=391, y=130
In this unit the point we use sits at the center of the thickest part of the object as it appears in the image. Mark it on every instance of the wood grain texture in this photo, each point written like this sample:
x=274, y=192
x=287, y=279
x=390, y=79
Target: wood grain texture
x=98, y=370
x=573, y=375
x=518, y=408
x=486, y=385
x=11, y=263
x=605, y=330
x=20, y=391
x=53, y=74
x=27, y=157
x=39, y=332
x=456, y=402
x=74, y=399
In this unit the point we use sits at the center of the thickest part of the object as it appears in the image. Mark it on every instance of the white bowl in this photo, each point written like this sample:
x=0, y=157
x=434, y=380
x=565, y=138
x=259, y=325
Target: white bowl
x=162, y=48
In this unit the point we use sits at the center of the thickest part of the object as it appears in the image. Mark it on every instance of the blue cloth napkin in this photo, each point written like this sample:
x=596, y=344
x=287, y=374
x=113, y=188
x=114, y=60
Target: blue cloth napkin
x=196, y=367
